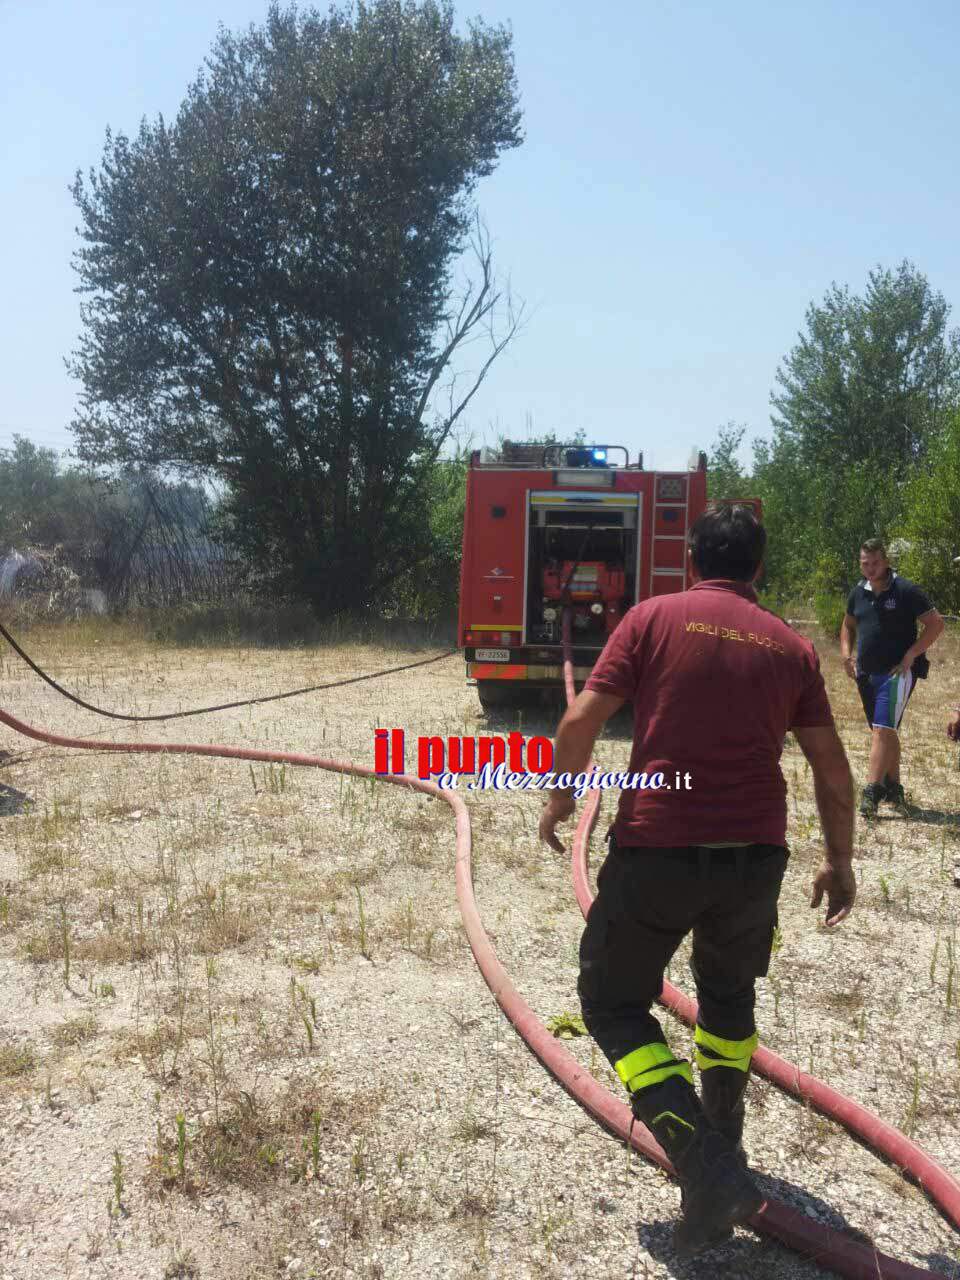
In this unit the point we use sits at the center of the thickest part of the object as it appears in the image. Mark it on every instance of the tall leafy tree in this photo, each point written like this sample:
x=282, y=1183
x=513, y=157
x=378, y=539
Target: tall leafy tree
x=930, y=527
x=872, y=376
x=429, y=589
x=269, y=282
x=726, y=477
x=871, y=382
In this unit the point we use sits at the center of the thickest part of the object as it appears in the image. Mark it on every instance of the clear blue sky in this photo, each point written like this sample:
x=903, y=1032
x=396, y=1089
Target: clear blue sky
x=694, y=175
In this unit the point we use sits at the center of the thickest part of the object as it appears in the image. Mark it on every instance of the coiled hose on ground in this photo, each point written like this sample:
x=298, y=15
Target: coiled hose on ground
x=832, y=1249
x=827, y=1246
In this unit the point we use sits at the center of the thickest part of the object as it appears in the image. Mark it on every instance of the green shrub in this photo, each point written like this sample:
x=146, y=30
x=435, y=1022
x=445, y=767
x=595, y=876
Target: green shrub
x=829, y=608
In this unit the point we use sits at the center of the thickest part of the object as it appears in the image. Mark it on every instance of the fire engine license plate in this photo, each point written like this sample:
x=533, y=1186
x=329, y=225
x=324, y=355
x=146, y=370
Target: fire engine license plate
x=492, y=655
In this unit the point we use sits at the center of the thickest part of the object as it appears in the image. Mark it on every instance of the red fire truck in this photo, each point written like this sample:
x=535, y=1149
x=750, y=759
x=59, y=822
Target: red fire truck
x=554, y=526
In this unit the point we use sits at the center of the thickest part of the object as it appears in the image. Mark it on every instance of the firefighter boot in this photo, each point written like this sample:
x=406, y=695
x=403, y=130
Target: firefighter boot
x=718, y=1192
x=724, y=1071
x=723, y=1091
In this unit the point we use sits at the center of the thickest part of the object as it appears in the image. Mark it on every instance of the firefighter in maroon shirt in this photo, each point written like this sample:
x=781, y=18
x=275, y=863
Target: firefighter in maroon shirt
x=716, y=682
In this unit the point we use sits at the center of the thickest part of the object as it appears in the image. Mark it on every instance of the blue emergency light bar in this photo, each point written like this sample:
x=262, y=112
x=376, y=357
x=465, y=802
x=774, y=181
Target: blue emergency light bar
x=585, y=458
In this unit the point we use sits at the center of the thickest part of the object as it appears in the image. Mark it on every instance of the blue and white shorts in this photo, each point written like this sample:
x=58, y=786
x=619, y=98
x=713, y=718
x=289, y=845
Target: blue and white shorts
x=885, y=698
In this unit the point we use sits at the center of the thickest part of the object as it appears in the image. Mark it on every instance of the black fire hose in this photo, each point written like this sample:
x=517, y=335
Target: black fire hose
x=223, y=706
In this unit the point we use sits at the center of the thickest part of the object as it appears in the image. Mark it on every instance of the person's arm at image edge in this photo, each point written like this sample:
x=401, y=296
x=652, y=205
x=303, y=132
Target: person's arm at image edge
x=576, y=734
x=833, y=788
x=848, y=644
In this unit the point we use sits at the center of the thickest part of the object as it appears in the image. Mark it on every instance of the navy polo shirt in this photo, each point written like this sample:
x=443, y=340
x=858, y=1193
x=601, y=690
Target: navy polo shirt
x=886, y=622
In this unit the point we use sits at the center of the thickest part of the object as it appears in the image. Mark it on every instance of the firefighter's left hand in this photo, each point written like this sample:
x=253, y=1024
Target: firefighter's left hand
x=838, y=882
x=559, y=808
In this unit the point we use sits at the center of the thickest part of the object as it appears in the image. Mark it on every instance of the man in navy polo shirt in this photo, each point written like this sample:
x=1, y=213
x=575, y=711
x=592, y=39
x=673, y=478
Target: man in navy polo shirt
x=716, y=682
x=882, y=615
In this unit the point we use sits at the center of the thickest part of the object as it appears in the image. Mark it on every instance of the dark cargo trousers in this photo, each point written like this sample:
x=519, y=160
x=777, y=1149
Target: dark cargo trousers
x=648, y=900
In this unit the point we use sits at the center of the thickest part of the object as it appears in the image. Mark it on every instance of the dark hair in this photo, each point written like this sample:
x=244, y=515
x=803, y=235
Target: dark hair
x=727, y=542
x=874, y=544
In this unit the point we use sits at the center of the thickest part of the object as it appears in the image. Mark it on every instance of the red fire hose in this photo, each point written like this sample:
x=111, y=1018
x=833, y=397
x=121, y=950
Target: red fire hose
x=842, y=1254
x=830, y=1248
x=940, y=1185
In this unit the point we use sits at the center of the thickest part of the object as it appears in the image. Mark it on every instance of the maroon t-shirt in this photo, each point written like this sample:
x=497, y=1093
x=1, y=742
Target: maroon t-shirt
x=716, y=682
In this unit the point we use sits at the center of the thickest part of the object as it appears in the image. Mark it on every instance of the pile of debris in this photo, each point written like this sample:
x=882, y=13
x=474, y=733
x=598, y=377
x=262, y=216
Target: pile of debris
x=41, y=584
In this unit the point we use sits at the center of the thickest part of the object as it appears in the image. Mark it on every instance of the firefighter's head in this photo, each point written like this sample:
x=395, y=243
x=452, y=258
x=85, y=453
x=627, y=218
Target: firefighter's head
x=727, y=542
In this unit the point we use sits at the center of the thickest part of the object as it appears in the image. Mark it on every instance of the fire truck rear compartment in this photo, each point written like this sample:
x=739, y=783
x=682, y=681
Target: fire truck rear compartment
x=584, y=557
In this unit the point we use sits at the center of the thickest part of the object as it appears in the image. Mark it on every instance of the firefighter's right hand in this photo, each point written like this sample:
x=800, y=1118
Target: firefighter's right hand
x=559, y=808
x=850, y=667
x=838, y=882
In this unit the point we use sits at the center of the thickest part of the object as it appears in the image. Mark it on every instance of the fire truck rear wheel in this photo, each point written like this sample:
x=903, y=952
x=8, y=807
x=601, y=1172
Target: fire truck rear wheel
x=498, y=695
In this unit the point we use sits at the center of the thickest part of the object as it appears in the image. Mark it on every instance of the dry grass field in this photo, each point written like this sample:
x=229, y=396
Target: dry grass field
x=242, y=1035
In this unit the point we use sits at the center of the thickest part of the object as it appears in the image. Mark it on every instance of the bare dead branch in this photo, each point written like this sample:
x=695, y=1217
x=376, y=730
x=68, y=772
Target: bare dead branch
x=474, y=322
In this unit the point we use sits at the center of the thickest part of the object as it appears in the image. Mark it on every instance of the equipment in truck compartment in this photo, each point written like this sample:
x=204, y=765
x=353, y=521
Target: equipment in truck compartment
x=596, y=589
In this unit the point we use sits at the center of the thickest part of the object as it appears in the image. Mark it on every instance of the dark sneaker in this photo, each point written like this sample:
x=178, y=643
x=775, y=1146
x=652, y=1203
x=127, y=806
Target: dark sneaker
x=870, y=798
x=894, y=795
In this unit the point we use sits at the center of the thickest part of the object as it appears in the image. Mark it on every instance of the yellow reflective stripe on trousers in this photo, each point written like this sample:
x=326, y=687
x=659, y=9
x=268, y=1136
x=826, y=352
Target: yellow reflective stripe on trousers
x=650, y=1064
x=642, y=1059
x=723, y=1053
x=647, y=1078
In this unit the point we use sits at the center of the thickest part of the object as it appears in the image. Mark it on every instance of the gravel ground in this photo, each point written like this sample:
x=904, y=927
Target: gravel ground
x=243, y=1035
